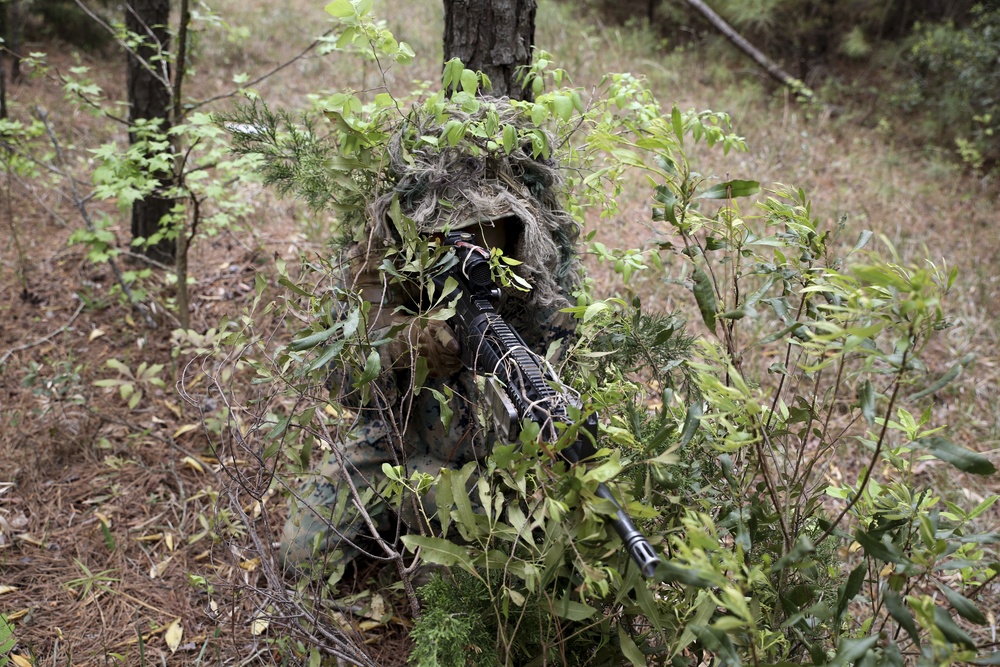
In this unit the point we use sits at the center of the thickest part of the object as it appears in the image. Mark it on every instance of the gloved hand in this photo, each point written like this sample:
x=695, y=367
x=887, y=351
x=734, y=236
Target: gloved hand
x=435, y=342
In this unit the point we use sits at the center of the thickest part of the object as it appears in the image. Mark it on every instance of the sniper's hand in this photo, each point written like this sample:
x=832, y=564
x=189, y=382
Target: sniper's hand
x=435, y=342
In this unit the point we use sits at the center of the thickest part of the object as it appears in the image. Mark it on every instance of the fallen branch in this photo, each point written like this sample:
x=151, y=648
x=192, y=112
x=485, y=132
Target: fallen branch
x=771, y=67
x=52, y=335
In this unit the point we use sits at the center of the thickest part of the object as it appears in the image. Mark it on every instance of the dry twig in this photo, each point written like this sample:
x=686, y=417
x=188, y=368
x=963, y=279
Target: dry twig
x=41, y=340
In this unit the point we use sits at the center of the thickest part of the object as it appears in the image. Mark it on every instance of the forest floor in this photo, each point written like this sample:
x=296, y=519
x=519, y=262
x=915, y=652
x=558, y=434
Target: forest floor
x=117, y=545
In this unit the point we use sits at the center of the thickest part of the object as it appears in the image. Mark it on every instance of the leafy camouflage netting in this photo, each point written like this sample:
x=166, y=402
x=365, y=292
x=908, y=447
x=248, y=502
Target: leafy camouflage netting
x=450, y=187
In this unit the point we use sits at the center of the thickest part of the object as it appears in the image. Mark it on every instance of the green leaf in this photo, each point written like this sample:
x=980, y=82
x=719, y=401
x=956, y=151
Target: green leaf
x=504, y=454
x=340, y=9
x=703, y=612
x=509, y=138
x=688, y=576
x=593, y=309
x=964, y=459
x=313, y=339
x=666, y=197
x=469, y=81
x=691, y=422
x=606, y=471
x=452, y=72
x=901, y=615
x=538, y=114
x=850, y=651
x=849, y=590
x=444, y=405
x=883, y=277
x=119, y=366
x=983, y=506
x=863, y=239
x=630, y=650
x=731, y=189
x=439, y=551
x=866, y=399
x=801, y=552
x=7, y=637
x=940, y=383
x=109, y=539
x=963, y=605
x=563, y=106
x=704, y=294
x=372, y=367
x=876, y=548
x=458, y=479
x=572, y=610
x=719, y=643
x=950, y=630
x=678, y=124
x=328, y=354
x=891, y=656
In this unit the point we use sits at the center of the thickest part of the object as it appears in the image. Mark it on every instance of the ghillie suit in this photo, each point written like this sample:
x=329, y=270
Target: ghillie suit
x=428, y=187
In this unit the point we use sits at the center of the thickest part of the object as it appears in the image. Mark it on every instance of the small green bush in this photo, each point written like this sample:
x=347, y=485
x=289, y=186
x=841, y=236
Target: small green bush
x=958, y=81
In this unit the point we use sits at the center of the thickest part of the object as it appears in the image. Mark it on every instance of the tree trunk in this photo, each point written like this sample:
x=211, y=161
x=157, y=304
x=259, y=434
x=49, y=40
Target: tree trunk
x=148, y=81
x=5, y=34
x=15, y=27
x=494, y=37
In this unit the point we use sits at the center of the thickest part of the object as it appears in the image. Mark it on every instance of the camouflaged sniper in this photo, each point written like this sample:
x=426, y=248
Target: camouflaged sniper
x=447, y=188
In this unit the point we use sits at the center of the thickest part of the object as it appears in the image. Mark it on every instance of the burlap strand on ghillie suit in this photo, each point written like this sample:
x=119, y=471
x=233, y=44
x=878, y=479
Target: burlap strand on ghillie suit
x=450, y=187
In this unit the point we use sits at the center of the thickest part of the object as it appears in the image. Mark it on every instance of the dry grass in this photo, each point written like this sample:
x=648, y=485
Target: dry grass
x=69, y=466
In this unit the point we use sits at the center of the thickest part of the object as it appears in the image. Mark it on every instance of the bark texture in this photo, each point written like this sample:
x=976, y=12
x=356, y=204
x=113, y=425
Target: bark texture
x=148, y=82
x=494, y=37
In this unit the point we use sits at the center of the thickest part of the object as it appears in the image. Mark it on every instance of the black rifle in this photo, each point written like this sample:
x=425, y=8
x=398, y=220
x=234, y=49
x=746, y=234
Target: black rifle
x=520, y=385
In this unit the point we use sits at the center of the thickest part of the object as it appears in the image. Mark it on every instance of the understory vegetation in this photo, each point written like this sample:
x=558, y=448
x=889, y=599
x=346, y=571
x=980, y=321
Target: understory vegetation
x=923, y=72
x=786, y=332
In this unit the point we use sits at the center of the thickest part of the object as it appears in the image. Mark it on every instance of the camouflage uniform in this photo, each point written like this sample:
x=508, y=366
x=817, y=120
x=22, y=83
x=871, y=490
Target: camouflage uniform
x=323, y=519
x=450, y=189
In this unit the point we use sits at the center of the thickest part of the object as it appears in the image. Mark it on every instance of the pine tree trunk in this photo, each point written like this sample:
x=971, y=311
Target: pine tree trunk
x=5, y=34
x=494, y=37
x=15, y=26
x=149, y=97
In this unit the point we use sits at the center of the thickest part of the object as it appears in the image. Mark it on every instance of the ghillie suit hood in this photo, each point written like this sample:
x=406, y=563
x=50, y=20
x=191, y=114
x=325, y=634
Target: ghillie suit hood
x=451, y=187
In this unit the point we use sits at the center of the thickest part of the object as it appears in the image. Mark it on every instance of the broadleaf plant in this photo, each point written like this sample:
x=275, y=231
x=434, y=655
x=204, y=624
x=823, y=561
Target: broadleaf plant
x=767, y=437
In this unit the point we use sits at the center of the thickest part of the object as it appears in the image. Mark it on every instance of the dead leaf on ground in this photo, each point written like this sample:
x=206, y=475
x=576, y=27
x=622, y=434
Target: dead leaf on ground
x=250, y=565
x=173, y=635
x=193, y=463
x=258, y=626
x=20, y=613
x=186, y=428
x=158, y=569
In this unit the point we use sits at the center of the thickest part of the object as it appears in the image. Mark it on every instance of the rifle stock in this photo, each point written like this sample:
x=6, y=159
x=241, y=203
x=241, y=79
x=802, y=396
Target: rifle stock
x=520, y=385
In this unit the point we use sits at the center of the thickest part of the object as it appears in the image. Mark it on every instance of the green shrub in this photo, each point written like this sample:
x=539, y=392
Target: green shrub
x=957, y=81
x=769, y=449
